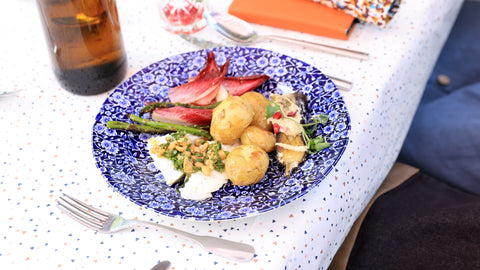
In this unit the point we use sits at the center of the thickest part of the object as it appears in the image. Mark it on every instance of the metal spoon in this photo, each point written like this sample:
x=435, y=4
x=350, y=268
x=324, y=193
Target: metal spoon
x=241, y=31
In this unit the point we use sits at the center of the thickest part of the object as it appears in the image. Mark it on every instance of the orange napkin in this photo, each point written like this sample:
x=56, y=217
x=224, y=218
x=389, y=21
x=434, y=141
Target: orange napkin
x=298, y=15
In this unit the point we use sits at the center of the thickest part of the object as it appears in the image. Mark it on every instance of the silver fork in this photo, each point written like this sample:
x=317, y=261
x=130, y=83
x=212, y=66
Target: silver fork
x=105, y=222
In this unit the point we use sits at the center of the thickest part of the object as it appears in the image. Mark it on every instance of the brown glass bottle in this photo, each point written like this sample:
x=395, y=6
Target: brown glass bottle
x=85, y=44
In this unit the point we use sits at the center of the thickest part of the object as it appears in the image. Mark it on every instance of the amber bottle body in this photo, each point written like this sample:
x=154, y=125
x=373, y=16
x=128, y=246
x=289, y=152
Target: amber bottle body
x=85, y=43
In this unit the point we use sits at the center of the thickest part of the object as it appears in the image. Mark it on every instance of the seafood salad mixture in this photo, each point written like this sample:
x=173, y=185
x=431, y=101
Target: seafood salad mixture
x=216, y=129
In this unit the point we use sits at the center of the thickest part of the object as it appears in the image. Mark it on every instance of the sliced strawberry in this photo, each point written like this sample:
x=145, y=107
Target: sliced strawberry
x=237, y=86
x=183, y=116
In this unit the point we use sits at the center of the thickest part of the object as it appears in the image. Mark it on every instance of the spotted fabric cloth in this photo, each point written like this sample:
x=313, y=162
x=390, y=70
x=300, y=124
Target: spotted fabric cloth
x=378, y=12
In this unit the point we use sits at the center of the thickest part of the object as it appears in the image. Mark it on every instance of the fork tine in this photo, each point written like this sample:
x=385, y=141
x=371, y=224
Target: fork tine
x=83, y=213
x=81, y=219
x=88, y=207
x=86, y=213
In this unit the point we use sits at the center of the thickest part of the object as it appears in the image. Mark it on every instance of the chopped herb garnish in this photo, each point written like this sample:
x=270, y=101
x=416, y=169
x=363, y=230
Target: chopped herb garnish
x=190, y=157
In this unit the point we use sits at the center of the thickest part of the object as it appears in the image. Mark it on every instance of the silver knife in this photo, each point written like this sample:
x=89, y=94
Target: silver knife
x=204, y=44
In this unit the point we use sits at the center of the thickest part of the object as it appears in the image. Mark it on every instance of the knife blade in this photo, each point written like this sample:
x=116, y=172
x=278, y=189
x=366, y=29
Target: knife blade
x=205, y=44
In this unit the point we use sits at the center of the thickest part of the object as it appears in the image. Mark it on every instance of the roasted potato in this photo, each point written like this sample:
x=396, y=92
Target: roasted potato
x=259, y=137
x=230, y=118
x=246, y=165
x=259, y=103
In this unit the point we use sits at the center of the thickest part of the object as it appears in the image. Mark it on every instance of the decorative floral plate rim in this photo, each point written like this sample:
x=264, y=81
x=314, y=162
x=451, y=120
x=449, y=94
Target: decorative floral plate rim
x=123, y=159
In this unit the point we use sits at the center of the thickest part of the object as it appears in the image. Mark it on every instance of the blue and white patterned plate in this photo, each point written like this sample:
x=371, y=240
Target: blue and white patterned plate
x=123, y=158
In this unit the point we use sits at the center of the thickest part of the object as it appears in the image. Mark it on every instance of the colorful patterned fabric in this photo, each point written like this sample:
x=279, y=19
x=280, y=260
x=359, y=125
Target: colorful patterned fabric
x=378, y=12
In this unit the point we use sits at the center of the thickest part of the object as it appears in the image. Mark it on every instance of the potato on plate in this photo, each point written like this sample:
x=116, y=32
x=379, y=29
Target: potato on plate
x=259, y=103
x=246, y=165
x=230, y=118
x=259, y=137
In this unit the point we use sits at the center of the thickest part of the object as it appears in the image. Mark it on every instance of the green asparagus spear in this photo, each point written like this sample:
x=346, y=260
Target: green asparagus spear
x=170, y=126
x=135, y=127
x=154, y=105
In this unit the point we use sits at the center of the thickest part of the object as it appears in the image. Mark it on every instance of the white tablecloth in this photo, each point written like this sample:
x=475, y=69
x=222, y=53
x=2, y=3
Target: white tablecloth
x=46, y=146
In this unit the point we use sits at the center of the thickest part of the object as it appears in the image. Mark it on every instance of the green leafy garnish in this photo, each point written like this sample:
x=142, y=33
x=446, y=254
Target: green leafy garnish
x=320, y=118
x=272, y=108
x=314, y=144
x=318, y=143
